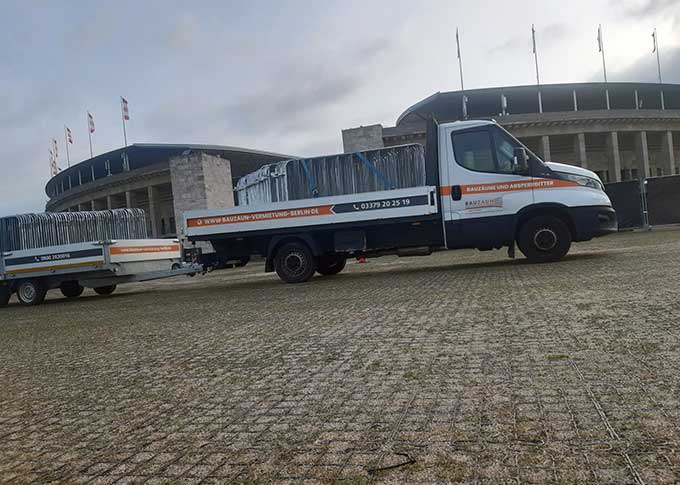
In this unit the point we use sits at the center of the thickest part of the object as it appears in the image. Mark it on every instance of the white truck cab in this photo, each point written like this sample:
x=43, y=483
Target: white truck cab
x=495, y=191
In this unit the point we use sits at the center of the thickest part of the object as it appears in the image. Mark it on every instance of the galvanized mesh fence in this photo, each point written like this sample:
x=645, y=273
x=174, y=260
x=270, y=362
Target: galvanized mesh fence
x=348, y=173
x=30, y=231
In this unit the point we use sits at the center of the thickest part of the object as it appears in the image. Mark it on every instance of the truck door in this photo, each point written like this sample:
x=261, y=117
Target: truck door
x=484, y=189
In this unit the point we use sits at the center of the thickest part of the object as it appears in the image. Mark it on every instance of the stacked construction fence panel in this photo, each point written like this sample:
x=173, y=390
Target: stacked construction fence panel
x=31, y=231
x=348, y=173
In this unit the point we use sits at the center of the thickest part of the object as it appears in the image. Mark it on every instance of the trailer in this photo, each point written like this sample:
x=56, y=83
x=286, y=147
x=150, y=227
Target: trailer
x=482, y=189
x=42, y=252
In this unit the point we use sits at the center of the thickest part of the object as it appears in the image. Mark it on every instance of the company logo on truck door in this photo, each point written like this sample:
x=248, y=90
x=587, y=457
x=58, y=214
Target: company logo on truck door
x=495, y=203
x=322, y=210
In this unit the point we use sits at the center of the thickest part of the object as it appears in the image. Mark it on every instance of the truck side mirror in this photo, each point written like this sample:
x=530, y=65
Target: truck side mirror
x=520, y=160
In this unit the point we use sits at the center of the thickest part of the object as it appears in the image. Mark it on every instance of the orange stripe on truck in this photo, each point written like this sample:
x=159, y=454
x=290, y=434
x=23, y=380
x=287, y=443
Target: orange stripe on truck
x=144, y=249
x=528, y=184
x=323, y=210
x=52, y=268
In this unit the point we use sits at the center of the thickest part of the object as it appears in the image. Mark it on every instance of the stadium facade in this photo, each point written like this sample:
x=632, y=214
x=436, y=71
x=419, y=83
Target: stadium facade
x=635, y=135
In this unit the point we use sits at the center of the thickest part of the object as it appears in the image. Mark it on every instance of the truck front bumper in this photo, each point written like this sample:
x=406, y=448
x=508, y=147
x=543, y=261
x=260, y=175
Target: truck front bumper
x=594, y=221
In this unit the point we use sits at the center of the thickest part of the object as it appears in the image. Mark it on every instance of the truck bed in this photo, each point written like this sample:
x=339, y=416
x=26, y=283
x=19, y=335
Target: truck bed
x=353, y=208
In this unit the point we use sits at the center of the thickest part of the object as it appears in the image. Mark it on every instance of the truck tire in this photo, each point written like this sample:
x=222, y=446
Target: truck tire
x=71, y=289
x=329, y=265
x=544, y=239
x=31, y=292
x=105, y=290
x=294, y=262
x=5, y=295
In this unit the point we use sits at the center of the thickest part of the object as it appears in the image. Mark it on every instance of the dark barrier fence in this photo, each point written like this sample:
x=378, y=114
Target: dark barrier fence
x=625, y=197
x=661, y=198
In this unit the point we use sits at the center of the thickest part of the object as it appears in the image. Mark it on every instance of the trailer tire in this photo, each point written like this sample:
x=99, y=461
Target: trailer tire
x=295, y=263
x=105, y=290
x=71, y=289
x=5, y=295
x=544, y=239
x=329, y=265
x=31, y=292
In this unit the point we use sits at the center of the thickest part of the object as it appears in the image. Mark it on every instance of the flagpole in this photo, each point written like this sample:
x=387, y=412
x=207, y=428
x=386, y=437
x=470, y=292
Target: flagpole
x=460, y=61
x=122, y=111
x=89, y=134
x=68, y=157
x=538, y=79
x=604, y=64
x=658, y=65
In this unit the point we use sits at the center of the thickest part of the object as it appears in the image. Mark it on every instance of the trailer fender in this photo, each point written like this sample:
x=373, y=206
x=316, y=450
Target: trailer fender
x=277, y=241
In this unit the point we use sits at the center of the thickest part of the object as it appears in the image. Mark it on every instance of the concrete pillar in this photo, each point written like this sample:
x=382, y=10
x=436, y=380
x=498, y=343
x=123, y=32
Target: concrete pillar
x=580, y=149
x=109, y=202
x=642, y=153
x=93, y=206
x=614, y=157
x=129, y=200
x=668, y=154
x=544, y=148
x=153, y=210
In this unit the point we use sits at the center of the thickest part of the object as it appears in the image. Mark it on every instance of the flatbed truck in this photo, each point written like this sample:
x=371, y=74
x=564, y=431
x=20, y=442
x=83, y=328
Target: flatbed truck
x=484, y=189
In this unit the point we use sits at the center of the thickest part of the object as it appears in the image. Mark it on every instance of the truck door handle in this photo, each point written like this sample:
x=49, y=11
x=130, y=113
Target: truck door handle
x=456, y=192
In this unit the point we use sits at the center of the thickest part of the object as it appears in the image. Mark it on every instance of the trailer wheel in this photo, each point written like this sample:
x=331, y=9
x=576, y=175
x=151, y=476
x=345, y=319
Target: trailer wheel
x=31, y=292
x=105, y=290
x=329, y=265
x=544, y=239
x=295, y=263
x=5, y=295
x=71, y=289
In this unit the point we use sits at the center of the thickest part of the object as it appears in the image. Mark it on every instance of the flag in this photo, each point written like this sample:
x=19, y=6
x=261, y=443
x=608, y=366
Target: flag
x=55, y=148
x=599, y=38
x=53, y=164
x=656, y=46
x=533, y=37
x=69, y=135
x=457, y=43
x=124, y=109
x=90, y=122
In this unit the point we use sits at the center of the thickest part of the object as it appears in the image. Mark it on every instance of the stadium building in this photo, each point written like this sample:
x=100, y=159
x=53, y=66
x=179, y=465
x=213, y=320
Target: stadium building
x=164, y=180
x=635, y=135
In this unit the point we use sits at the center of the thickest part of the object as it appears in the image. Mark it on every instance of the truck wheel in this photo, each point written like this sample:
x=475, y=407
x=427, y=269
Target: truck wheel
x=544, y=239
x=295, y=263
x=31, y=292
x=329, y=265
x=5, y=295
x=71, y=289
x=105, y=290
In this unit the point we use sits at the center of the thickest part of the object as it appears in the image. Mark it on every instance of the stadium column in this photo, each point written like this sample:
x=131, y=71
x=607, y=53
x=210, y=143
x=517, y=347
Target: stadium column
x=614, y=157
x=153, y=212
x=109, y=202
x=642, y=153
x=668, y=154
x=545, y=148
x=93, y=205
x=129, y=200
x=580, y=149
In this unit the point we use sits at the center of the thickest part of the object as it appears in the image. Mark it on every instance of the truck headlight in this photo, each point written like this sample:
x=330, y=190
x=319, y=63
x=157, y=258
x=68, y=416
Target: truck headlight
x=584, y=181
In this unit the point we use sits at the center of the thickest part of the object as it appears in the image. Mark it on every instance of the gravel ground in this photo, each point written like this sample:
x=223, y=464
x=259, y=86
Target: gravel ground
x=459, y=367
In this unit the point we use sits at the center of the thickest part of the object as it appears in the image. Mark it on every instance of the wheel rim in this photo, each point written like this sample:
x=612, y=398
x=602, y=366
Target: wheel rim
x=294, y=263
x=545, y=239
x=28, y=292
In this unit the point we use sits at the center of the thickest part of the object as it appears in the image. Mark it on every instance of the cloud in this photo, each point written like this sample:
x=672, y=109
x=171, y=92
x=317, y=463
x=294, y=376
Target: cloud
x=644, y=8
x=546, y=37
x=644, y=69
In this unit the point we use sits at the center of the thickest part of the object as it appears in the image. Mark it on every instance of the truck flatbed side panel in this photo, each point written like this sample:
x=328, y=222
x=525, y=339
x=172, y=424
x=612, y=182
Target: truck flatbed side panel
x=386, y=204
x=144, y=250
x=54, y=258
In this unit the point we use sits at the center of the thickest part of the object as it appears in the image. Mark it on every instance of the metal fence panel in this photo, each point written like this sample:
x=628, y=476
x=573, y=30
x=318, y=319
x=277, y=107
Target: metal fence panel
x=31, y=231
x=625, y=197
x=348, y=173
x=663, y=200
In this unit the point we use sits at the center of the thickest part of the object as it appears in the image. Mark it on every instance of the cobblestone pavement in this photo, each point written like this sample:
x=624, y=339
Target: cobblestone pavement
x=463, y=366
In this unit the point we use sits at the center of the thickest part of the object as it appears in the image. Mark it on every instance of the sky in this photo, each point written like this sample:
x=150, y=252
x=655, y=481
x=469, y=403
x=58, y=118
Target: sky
x=283, y=75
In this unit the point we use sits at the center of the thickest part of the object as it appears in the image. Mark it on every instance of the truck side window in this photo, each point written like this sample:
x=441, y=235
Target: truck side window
x=473, y=150
x=504, y=152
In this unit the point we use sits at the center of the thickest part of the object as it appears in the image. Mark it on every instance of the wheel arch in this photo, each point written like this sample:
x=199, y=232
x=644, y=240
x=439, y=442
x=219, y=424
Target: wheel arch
x=277, y=241
x=545, y=209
